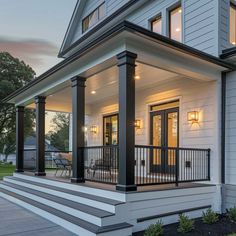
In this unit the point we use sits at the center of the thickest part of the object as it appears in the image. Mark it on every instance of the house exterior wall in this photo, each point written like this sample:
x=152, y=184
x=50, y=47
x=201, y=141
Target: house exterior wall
x=230, y=178
x=90, y=6
x=193, y=95
x=199, y=21
x=205, y=23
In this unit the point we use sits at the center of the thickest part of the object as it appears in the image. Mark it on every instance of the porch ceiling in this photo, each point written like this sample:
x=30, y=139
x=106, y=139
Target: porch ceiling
x=105, y=85
x=99, y=56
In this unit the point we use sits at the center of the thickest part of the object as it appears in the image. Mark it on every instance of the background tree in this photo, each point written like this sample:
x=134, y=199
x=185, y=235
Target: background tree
x=14, y=74
x=59, y=137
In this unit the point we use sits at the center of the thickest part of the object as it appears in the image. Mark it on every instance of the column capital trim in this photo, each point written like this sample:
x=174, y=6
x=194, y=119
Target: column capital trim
x=20, y=109
x=78, y=81
x=40, y=99
x=126, y=54
x=127, y=58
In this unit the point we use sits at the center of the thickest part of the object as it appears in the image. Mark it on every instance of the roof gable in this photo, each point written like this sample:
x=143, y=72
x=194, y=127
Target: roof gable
x=82, y=9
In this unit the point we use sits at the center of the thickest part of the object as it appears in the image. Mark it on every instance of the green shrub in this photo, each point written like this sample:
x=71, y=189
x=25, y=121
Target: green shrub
x=210, y=217
x=232, y=214
x=233, y=234
x=185, y=224
x=155, y=229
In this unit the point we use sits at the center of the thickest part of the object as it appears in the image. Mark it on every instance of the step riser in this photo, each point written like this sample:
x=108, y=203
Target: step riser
x=93, y=191
x=67, y=225
x=90, y=218
x=89, y=202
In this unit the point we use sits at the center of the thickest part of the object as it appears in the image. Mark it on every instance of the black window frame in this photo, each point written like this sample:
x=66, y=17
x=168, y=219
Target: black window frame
x=157, y=17
x=85, y=18
x=169, y=22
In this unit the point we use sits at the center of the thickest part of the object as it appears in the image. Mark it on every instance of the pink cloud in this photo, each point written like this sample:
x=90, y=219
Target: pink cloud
x=31, y=51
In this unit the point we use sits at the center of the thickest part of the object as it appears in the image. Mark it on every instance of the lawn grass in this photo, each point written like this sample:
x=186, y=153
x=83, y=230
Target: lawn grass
x=6, y=170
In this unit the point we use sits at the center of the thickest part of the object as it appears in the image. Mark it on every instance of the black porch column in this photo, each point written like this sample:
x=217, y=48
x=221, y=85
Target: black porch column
x=78, y=122
x=40, y=136
x=126, y=64
x=20, y=139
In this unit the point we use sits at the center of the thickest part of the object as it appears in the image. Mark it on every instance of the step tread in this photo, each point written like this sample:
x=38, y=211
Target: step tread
x=72, y=219
x=69, y=203
x=71, y=192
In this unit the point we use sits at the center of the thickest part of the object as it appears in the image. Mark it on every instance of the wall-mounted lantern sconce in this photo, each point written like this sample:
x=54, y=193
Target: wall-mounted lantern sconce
x=137, y=124
x=94, y=129
x=193, y=116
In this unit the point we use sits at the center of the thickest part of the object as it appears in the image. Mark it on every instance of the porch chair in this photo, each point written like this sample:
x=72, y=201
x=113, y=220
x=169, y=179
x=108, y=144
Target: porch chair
x=102, y=164
x=64, y=165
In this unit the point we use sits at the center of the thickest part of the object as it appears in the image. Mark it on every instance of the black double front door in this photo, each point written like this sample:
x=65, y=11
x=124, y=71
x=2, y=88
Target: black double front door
x=164, y=134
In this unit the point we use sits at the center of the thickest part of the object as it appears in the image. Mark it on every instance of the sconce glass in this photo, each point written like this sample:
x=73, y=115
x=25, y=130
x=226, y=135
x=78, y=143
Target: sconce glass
x=94, y=129
x=137, y=124
x=193, y=116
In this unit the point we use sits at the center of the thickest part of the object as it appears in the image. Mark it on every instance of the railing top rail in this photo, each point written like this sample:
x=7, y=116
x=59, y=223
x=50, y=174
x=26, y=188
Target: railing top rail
x=95, y=147
x=58, y=151
x=172, y=148
x=33, y=149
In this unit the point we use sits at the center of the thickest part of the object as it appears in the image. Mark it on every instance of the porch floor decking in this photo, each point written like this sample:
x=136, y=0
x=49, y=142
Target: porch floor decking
x=111, y=187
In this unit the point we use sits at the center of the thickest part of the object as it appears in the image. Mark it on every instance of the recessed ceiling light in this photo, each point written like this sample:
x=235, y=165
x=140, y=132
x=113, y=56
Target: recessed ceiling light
x=180, y=10
x=233, y=43
x=137, y=77
x=93, y=92
x=177, y=30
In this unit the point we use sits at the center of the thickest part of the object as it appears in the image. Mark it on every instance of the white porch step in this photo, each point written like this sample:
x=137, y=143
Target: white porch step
x=98, y=192
x=87, y=213
x=69, y=222
x=81, y=213
x=72, y=195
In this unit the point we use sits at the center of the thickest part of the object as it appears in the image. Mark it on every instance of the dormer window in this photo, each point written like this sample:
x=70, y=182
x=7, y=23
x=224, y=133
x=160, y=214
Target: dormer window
x=175, y=24
x=94, y=17
x=232, y=32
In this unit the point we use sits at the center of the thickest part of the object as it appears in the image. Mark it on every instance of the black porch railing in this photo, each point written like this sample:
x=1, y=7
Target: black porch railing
x=29, y=163
x=168, y=165
x=153, y=165
x=101, y=164
x=50, y=156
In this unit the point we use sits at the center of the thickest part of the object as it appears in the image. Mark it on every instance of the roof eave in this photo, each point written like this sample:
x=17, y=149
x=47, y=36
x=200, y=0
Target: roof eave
x=114, y=31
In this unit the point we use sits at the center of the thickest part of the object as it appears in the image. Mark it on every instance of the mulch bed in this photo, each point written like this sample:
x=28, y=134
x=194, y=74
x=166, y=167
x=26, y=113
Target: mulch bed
x=222, y=228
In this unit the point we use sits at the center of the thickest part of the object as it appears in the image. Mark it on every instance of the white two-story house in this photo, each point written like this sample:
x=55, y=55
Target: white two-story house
x=150, y=85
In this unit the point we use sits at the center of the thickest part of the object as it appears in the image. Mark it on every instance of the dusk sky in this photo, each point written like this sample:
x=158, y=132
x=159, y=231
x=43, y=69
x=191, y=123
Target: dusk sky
x=33, y=30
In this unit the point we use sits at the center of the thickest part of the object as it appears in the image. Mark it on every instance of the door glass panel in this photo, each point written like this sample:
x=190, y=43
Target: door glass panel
x=110, y=129
x=172, y=136
x=114, y=131
x=156, y=139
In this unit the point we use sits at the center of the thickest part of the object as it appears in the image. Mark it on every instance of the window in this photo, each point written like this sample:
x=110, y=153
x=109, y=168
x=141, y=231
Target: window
x=94, y=17
x=156, y=25
x=110, y=130
x=232, y=32
x=175, y=24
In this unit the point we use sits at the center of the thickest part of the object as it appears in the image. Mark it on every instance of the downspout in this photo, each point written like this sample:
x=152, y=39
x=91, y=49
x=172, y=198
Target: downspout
x=223, y=114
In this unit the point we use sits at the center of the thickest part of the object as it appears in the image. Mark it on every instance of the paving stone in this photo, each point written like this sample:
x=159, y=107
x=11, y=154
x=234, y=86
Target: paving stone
x=15, y=220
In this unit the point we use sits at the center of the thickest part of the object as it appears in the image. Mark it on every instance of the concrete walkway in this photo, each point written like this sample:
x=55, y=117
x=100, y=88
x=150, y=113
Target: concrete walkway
x=15, y=220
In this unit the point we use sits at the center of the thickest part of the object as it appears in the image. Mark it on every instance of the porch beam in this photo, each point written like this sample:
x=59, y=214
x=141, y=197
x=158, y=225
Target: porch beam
x=78, y=122
x=40, y=136
x=126, y=65
x=20, y=139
